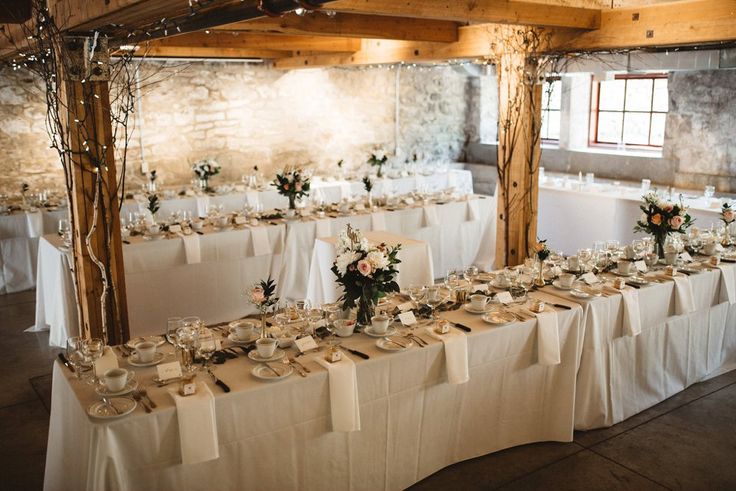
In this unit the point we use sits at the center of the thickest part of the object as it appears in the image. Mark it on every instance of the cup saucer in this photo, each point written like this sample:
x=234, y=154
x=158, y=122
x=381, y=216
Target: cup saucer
x=560, y=286
x=469, y=308
x=238, y=340
x=123, y=406
x=371, y=332
x=103, y=391
x=625, y=275
x=133, y=360
x=277, y=355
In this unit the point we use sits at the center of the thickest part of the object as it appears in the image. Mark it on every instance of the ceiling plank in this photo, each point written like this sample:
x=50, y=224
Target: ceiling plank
x=15, y=11
x=157, y=50
x=501, y=12
x=352, y=25
x=276, y=42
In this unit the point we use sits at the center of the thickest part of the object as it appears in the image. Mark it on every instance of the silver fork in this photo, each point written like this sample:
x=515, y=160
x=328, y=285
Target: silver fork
x=294, y=360
x=285, y=361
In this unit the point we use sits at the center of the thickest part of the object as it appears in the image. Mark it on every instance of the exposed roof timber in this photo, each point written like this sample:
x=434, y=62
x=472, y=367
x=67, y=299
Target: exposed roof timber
x=273, y=42
x=15, y=11
x=352, y=25
x=486, y=11
x=157, y=50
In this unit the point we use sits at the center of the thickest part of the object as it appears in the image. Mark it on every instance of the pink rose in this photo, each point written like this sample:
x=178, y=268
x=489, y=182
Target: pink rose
x=257, y=295
x=676, y=222
x=286, y=187
x=668, y=207
x=728, y=215
x=298, y=187
x=365, y=267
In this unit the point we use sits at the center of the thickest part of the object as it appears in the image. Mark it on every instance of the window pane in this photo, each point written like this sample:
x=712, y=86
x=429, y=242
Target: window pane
x=551, y=95
x=553, y=125
x=661, y=97
x=636, y=128
x=609, y=127
x=639, y=94
x=611, y=95
x=545, y=125
x=657, y=133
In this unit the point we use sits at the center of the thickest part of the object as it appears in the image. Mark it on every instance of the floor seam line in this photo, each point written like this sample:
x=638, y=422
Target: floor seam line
x=582, y=449
x=629, y=469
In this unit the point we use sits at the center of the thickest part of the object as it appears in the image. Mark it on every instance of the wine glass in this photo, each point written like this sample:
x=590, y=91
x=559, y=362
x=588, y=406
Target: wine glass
x=451, y=278
x=74, y=354
x=416, y=293
x=434, y=297
x=470, y=273
x=93, y=350
x=205, y=346
x=585, y=256
x=172, y=324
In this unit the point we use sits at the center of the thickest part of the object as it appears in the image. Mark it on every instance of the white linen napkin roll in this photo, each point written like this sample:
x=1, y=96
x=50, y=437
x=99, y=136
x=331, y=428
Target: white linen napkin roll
x=344, y=403
x=261, y=244
x=105, y=362
x=473, y=213
x=378, y=221
x=684, y=303
x=548, y=339
x=192, y=249
x=323, y=228
x=203, y=205
x=34, y=220
x=728, y=284
x=430, y=216
x=197, y=425
x=632, y=316
x=456, y=355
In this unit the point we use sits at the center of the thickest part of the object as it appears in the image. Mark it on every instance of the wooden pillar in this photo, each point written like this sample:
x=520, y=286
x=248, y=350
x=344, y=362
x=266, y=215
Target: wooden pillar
x=94, y=205
x=519, y=123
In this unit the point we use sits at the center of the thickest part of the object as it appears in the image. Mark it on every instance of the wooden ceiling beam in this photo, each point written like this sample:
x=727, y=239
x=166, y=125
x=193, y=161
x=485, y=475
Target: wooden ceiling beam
x=274, y=42
x=15, y=11
x=352, y=25
x=485, y=11
x=155, y=49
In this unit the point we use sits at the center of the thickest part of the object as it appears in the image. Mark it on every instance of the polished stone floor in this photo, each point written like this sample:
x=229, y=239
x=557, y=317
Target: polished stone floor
x=686, y=442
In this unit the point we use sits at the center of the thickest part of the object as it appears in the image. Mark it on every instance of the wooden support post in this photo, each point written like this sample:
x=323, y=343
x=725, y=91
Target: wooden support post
x=94, y=204
x=519, y=123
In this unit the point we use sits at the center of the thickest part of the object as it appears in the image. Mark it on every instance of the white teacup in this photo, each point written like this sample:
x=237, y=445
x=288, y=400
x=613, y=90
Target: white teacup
x=379, y=323
x=670, y=258
x=573, y=263
x=197, y=224
x=223, y=221
x=154, y=229
x=625, y=267
x=566, y=279
x=242, y=329
x=502, y=280
x=116, y=378
x=146, y=351
x=286, y=339
x=344, y=327
x=478, y=302
x=266, y=347
x=710, y=248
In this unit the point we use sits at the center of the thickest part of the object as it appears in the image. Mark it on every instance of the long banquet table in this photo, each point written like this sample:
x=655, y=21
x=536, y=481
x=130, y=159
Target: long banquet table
x=162, y=279
x=278, y=435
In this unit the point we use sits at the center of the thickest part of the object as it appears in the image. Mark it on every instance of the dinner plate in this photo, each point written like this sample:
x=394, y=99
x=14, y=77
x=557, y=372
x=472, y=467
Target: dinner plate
x=579, y=293
x=263, y=372
x=389, y=332
x=469, y=308
x=124, y=405
x=159, y=340
x=638, y=280
x=237, y=340
x=495, y=284
x=277, y=355
x=560, y=286
x=387, y=345
x=102, y=390
x=133, y=360
x=625, y=275
x=498, y=318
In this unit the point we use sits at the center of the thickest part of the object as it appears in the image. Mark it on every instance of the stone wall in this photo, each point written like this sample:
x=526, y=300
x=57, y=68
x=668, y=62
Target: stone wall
x=244, y=115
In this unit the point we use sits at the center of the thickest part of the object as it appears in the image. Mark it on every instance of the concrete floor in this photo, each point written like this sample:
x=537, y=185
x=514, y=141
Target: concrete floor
x=686, y=442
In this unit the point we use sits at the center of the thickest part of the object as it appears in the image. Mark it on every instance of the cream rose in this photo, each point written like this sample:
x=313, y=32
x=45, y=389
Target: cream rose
x=728, y=215
x=364, y=267
x=676, y=222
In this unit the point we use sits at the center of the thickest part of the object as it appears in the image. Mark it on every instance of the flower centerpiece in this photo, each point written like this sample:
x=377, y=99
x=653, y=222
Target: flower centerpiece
x=24, y=187
x=377, y=159
x=728, y=216
x=293, y=184
x=204, y=169
x=368, y=186
x=541, y=253
x=263, y=296
x=366, y=273
x=153, y=205
x=661, y=218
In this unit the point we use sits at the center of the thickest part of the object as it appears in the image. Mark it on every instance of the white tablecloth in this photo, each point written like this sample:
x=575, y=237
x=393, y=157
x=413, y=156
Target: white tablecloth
x=572, y=219
x=622, y=375
x=415, y=267
x=278, y=435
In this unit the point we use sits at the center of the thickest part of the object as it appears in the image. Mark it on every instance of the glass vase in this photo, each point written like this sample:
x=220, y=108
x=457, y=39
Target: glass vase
x=264, y=333
x=203, y=183
x=366, y=310
x=659, y=240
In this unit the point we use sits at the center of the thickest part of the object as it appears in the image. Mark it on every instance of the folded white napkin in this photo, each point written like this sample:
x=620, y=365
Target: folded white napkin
x=473, y=212
x=191, y=248
x=344, y=404
x=632, y=316
x=456, y=354
x=430, y=216
x=378, y=221
x=323, y=228
x=203, y=205
x=684, y=303
x=197, y=425
x=728, y=284
x=107, y=361
x=251, y=197
x=548, y=339
x=34, y=220
x=261, y=244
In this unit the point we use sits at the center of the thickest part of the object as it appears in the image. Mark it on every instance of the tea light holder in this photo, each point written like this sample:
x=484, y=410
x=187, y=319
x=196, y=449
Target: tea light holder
x=188, y=386
x=715, y=260
x=333, y=355
x=619, y=283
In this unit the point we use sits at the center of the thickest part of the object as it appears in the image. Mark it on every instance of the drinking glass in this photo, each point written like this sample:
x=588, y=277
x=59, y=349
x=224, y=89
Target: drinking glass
x=470, y=273
x=63, y=227
x=416, y=293
x=74, y=354
x=93, y=350
x=599, y=245
x=645, y=185
x=172, y=324
x=585, y=255
x=639, y=247
x=709, y=192
x=434, y=297
x=612, y=245
x=205, y=346
x=451, y=278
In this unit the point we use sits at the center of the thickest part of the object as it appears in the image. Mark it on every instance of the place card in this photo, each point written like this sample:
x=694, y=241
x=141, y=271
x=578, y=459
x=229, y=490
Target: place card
x=403, y=307
x=641, y=266
x=175, y=229
x=504, y=297
x=168, y=371
x=305, y=344
x=408, y=318
x=685, y=256
x=590, y=278
x=239, y=220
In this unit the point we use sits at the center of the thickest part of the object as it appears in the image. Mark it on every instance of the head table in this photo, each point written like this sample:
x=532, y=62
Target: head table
x=208, y=274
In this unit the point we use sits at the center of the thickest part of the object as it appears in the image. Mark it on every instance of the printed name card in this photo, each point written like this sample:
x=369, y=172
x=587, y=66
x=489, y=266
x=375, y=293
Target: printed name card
x=239, y=220
x=685, y=256
x=168, y=371
x=403, y=307
x=504, y=297
x=175, y=229
x=641, y=266
x=407, y=318
x=305, y=344
x=590, y=278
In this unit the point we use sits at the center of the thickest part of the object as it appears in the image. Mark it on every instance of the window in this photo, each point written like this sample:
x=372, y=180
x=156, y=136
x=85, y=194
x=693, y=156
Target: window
x=551, y=105
x=632, y=110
